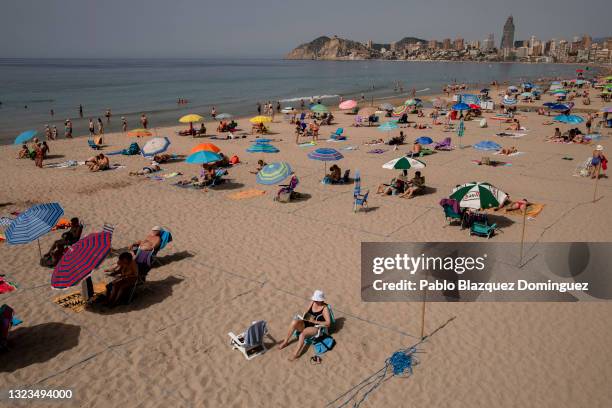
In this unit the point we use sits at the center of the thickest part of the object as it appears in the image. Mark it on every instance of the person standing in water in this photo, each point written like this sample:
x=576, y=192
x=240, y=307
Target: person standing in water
x=92, y=129
x=108, y=115
x=68, y=129
x=100, y=127
x=144, y=121
x=124, y=124
x=81, y=111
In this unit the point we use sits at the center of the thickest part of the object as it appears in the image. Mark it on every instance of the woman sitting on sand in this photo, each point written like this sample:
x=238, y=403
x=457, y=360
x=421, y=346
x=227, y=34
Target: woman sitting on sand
x=516, y=125
x=416, y=149
x=396, y=186
x=335, y=174
x=98, y=163
x=24, y=153
x=508, y=151
x=556, y=135
x=147, y=169
x=308, y=325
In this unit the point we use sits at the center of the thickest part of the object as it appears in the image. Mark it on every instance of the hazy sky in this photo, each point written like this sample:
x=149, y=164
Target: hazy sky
x=201, y=28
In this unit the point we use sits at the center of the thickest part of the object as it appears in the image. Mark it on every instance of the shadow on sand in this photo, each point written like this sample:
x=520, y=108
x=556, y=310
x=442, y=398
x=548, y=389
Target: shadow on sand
x=38, y=344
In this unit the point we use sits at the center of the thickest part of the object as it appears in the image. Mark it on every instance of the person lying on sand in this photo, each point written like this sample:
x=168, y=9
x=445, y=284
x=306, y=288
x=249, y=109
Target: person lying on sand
x=510, y=205
x=150, y=243
x=375, y=142
x=508, y=151
x=146, y=170
x=415, y=185
x=260, y=165
x=316, y=316
x=98, y=163
x=162, y=158
x=516, y=125
x=127, y=271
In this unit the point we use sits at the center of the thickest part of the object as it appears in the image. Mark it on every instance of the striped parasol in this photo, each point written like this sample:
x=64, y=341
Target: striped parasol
x=325, y=154
x=400, y=110
x=404, y=163
x=33, y=223
x=274, y=173
x=155, y=146
x=81, y=259
x=262, y=148
x=477, y=195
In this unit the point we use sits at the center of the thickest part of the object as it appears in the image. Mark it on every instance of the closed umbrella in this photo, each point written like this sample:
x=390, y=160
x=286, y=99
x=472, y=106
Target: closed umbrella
x=155, y=146
x=207, y=147
x=33, y=223
x=81, y=259
x=25, y=136
x=348, y=104
x=274, y=173
x=478, y=195
x=460, y=132
x=203, y=157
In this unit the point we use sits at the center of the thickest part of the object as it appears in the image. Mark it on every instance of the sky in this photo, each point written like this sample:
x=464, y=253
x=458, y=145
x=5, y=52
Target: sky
x=271, y=28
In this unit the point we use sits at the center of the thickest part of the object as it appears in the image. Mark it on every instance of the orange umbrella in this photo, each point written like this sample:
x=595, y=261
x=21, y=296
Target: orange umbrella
x=139, y=133
x=206, y=146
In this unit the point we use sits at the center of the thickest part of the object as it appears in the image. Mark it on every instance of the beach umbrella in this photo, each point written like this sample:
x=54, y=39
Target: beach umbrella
x=477, y=195
x=411, y=102
x=81, y=259
x=260, y=119
x=191, y=118
x=461, y=106
x=550, y=104
x=348, y=104
x=404, y=163
x=25, y=136
x=139, y=133
x=424, y=140
x=400, y=110
x=386, y=107
x=222, y=116
x=367, y=111
x=274, y=173
x=573, y=119
x=508, y=101
x=206, y=147
x=559, y=92
x=487, y=145
x=155, y=146
x=261, y=141
x=473, y=106
x=33, y=223
x=203, y=157
x=319, y=108
x=513, y=88
x=325, y=154
x=387, y=126
x=262, y=148
x=526, y=95
x=560, y=107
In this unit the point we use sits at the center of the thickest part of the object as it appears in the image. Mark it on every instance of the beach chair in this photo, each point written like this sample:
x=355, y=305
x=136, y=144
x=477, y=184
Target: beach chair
x=358, y=121
x=444, y=144
x=360, y=201
x=250, y=342
x=93, y=145
x=483, y=230
x=337, y=135
x=450, y=215
x=287, y=190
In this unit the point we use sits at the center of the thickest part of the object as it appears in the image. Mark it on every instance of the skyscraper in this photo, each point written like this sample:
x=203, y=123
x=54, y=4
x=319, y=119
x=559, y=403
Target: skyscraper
x=507, y=40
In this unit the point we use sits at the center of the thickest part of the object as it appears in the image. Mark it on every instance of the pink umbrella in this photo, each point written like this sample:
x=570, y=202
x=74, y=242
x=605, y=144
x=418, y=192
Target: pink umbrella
x=348, y=104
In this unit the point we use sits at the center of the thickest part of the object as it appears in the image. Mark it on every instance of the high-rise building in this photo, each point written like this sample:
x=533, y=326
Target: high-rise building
x=432, y=44
x=459, y=44
x=587, y=41
x=446, y=44
x=489, y=43
x=508, y=34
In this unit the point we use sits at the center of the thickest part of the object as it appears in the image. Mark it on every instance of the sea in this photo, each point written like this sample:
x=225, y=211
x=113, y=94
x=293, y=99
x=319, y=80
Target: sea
x=31, y=88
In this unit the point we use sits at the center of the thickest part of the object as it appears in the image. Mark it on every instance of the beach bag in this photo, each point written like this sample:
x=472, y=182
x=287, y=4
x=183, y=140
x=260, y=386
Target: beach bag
x=234, y=160
x=324, y=344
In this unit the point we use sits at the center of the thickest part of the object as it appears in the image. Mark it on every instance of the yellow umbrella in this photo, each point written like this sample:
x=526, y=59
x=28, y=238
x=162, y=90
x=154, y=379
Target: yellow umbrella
x=192, y=117
x=260, y=119
x=139, y=133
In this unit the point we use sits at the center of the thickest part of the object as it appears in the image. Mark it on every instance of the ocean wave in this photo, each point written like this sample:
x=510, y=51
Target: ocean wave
x=423, y=90
x=307, y=98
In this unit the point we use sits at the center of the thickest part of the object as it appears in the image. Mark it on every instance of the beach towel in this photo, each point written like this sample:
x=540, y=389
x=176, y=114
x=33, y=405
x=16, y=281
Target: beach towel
x=492, y=163
x=255, y=333
x=75, y=302
x=377, y=151
x=62, y=165
x=245, y=194
x=511, y=135
x=351, y=148
x=6, y=286
x=499, y=153
x=166, y=176
x=307, y=144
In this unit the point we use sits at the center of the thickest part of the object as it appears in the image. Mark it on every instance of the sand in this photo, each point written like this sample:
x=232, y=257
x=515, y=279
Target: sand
x=235, y=261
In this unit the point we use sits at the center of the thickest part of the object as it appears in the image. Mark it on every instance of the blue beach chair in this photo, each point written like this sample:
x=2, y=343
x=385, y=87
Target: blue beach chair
x=93, y=144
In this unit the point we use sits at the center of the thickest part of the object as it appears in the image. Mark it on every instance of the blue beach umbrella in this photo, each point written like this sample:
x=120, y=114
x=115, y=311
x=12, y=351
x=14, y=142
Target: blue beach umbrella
x=550, y=104
x=325, y=154
x=573, y=119
x=25, y=136
x=274, y=173
x=559, y=107
x=203, y=157
x=487, y=145
x=461, y=106
x=33, y=223
x=155, y=146
x=424, y=140
x=387, y=126
x=262, y=141
x=509, y=102
x=262, y=148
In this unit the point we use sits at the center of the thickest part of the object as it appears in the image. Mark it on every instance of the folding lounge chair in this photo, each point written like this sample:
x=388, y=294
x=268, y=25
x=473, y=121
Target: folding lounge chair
x=361, y=201
x=250, y=342
x=337, y=135
x=287, y=190
x=444, y=144
x=450, y=215
x=93, y=144
x=483, y=230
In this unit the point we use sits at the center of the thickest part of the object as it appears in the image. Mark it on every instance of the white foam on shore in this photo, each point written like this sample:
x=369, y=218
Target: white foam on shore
x=307, y=98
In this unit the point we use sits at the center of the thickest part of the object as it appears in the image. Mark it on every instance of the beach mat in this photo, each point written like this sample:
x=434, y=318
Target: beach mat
x=246, y=194
x=75, y=302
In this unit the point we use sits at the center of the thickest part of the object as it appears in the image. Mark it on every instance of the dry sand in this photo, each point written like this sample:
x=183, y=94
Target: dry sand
x=232, y=262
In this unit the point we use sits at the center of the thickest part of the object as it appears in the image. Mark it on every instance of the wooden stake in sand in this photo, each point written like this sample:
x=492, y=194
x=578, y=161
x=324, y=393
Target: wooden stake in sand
x=523, y=234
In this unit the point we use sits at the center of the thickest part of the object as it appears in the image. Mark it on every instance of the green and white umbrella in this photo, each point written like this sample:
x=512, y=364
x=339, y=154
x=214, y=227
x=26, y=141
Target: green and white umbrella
x=477, y=195
x=404, y=163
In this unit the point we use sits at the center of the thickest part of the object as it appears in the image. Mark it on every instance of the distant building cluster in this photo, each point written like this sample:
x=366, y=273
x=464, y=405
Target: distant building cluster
x=581, y=49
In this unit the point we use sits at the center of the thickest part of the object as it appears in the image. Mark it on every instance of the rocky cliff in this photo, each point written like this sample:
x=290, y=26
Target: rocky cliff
x=326, y=48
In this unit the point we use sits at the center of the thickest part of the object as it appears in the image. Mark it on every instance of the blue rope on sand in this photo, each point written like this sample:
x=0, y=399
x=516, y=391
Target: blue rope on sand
x=402, y=361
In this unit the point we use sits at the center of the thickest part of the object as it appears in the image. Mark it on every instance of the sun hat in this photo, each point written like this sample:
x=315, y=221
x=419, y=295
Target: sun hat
x=156, y=228
x=318, y=296
x=599, y=147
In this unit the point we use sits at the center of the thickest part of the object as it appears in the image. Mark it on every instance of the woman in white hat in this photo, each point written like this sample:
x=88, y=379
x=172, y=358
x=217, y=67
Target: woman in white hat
x=307, y=325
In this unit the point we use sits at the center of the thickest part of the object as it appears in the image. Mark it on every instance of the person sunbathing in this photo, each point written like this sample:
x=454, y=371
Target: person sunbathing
x=70, y=237
x=516, y=205
x=162, y=158
x=127, y=272
x=508, y=151
x=100, y=163
x=516, y=125
x=557, y=135
x=396, y=186
x=150, y=243
x=260, y=165
x=308, y=325
x=415, y=185
x=375, y=142
x=146, y=170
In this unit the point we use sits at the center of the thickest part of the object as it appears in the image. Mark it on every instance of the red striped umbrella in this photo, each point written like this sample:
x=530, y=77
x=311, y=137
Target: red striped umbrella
x=80, y=259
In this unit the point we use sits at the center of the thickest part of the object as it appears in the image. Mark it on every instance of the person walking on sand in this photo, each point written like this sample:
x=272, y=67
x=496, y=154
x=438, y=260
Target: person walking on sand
x=144, y=121
x=213, y=112
x=100, y=127
x=124, y=124
x=54, y=133
x=68, y=129
x=39, y=155
x=92, y=129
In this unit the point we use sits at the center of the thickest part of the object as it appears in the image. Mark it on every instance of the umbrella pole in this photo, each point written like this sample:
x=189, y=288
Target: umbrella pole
x=523, y=235
x=39, y=251
x=596, y=180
